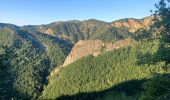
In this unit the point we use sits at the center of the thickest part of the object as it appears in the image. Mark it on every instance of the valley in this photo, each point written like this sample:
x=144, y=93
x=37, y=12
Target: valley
x=125, y=59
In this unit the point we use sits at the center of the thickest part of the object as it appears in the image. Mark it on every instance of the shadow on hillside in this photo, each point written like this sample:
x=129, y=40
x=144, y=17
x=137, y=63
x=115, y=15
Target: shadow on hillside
x=130, y=88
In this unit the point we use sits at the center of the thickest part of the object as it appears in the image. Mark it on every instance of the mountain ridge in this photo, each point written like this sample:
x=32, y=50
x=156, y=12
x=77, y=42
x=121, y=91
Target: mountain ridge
x=134, y=24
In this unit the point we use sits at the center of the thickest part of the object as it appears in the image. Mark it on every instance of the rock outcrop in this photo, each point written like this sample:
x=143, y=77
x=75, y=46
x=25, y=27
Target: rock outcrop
x=84, y=48
x=45, y=30
x=134, y=24
x=92, y=47
x=96, y=47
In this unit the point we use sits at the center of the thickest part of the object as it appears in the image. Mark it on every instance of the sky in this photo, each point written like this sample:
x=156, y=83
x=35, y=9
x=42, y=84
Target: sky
x=36, y=12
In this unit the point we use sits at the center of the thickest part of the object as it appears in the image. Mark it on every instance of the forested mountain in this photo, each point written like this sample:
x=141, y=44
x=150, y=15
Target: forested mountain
x=31, y=57
x=94, y=29
x=119, y=74
x=74, y=31
x=127, y=59
x=29, y=54
x=33, y=54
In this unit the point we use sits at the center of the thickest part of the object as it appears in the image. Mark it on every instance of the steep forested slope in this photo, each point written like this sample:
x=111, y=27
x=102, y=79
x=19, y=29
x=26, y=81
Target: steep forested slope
x=105, y=76
x=29, y=61
x=34, y=51
x=28, y=54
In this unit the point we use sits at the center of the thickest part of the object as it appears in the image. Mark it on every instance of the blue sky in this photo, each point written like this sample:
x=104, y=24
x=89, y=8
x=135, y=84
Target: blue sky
x=33, y=12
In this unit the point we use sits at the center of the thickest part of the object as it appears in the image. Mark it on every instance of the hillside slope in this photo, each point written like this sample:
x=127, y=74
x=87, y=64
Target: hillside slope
x=28, y=61
x=95, y=74
x=34, y=51
x=85, y=48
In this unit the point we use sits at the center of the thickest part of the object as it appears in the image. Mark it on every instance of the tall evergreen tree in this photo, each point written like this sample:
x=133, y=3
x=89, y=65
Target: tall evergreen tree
x=162, y=24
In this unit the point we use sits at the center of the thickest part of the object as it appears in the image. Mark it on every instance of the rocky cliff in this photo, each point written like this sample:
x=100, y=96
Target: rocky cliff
x=84, y=48
x=92, y=47
x=133, y=24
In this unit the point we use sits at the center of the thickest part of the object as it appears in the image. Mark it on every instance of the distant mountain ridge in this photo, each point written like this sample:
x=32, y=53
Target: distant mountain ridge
x=74, y=31
x=91, y=29
x=133, y=24
x=94, y=29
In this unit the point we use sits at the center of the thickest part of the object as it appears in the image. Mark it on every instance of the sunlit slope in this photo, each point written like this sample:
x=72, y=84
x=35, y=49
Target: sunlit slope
x=95, y=74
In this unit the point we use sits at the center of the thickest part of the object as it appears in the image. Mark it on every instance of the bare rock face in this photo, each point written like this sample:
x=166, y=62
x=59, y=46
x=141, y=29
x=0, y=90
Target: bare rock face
x=84, y=48
x=49, y=31
x=92, y=47
x=46, y=30
x=134, y=24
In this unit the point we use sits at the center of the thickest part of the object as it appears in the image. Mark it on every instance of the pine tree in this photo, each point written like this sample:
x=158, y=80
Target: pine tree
x=162, y=24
